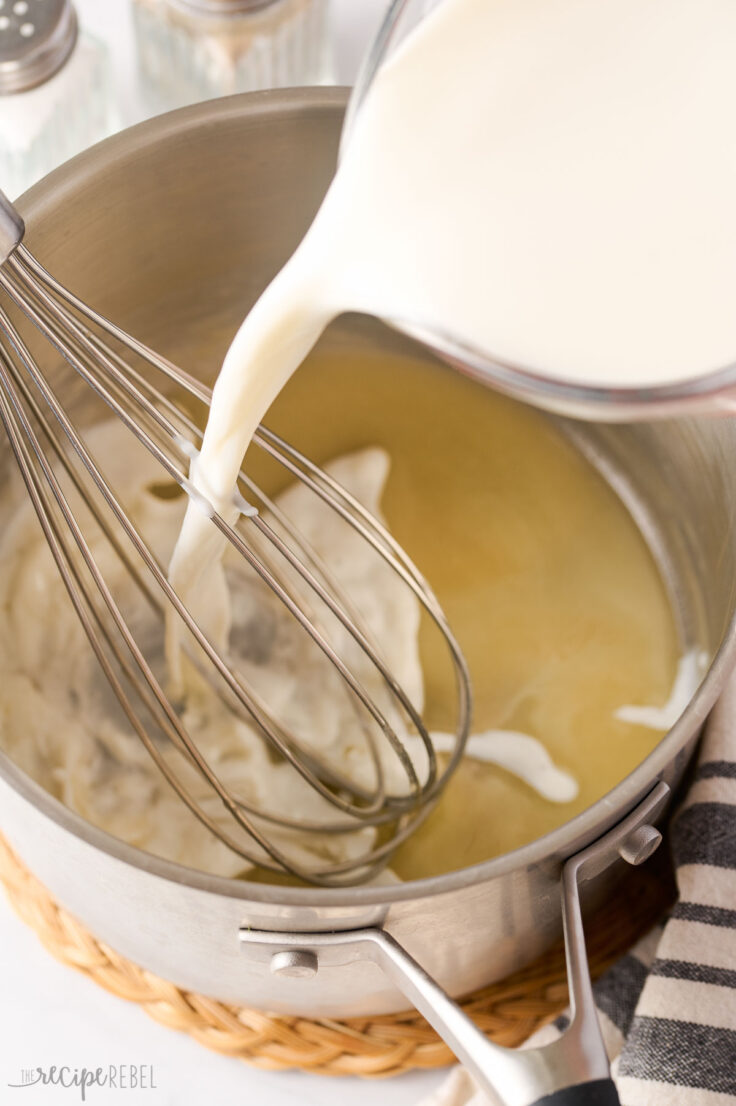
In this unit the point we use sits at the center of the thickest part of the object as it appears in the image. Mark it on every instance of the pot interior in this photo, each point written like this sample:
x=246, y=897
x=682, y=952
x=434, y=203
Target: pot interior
x=173, y=230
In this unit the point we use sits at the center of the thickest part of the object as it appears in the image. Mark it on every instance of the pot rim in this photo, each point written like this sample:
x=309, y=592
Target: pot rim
x=39, y=201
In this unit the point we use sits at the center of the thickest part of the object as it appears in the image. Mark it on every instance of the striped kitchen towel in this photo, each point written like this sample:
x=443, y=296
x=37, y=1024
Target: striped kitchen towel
x=668, y=1008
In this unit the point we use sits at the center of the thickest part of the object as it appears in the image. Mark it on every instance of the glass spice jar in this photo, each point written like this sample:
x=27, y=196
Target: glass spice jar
x=191, y=50
x=55, y=94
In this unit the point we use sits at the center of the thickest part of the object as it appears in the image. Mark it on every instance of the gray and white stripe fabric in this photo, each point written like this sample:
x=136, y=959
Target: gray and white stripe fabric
x=668, y=1008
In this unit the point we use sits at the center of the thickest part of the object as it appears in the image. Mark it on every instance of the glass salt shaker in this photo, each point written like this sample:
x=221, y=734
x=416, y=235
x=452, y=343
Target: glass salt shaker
x=55, y=96
x=192, y=50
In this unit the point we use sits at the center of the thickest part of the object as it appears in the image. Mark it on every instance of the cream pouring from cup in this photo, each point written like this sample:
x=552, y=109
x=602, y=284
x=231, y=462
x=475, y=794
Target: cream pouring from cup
x=546, y=181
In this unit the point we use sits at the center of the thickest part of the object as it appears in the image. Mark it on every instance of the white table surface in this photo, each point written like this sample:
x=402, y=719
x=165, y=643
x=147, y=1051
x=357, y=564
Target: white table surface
x=49, y=1014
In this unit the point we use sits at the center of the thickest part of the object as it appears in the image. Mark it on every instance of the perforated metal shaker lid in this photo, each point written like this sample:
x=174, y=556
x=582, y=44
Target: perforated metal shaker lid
x=36, y=38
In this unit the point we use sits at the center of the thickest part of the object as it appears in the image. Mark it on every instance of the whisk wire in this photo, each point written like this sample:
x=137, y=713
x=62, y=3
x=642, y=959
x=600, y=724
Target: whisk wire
x=157, y=703
x=104, y=391
x=277, y=448
x=170, y=435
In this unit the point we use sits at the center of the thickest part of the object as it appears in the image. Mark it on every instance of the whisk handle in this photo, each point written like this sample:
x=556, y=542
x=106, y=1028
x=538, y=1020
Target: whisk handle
x=12, y=228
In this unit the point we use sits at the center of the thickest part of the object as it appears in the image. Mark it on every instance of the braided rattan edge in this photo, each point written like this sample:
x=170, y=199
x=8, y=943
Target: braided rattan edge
x=372, y=1046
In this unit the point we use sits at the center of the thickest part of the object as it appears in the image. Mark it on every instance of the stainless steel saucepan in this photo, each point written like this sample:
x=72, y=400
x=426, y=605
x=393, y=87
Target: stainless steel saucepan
x=172, y=229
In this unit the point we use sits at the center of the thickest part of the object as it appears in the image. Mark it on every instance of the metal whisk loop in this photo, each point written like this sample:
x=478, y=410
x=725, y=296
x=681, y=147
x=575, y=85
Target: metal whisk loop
x=47, y=444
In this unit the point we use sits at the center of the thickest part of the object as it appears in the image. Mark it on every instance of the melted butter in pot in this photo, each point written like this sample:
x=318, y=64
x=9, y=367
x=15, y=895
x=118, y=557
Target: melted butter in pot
x=548, y=584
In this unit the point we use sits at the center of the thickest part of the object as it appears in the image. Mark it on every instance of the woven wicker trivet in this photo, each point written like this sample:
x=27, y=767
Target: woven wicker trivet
x=377, y=1046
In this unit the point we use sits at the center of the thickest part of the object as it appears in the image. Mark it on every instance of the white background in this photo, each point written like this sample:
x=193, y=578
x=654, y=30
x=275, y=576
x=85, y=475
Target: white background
x=49, y=1014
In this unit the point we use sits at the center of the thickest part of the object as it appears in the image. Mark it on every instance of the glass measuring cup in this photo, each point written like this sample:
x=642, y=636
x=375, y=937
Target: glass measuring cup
x=712, y=393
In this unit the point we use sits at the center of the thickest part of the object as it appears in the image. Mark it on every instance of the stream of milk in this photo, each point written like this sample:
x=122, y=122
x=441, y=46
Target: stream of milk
x=552, y=181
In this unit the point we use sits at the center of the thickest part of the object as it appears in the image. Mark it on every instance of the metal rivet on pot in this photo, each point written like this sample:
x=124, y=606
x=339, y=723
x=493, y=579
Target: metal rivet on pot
x=295, y=963
x=640, y=845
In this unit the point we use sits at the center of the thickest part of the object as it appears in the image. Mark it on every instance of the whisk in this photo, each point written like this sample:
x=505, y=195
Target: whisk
x=153, y=398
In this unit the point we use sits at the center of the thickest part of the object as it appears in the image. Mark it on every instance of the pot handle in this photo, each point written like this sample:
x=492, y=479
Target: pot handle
x=571, y=1071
